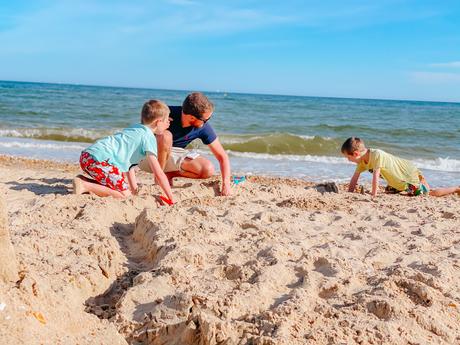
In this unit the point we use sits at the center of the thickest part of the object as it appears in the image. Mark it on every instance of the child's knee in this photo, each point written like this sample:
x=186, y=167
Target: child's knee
x=126, y=193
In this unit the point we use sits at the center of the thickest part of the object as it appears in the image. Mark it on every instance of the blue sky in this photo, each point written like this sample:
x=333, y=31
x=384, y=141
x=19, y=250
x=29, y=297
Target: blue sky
x=396, y=49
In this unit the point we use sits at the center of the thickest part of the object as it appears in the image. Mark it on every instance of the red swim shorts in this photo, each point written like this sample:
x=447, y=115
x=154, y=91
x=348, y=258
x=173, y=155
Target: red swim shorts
x=104, y=173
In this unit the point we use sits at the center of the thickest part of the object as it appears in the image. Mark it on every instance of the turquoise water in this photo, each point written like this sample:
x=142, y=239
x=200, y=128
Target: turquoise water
x=270, y=134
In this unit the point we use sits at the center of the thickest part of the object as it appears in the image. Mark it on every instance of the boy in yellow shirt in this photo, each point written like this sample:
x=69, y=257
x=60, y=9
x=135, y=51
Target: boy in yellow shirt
x=400, y=174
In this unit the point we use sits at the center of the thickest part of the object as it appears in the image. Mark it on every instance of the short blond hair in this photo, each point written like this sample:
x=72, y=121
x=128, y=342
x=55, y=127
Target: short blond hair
x=353, y=144
x=152, y=110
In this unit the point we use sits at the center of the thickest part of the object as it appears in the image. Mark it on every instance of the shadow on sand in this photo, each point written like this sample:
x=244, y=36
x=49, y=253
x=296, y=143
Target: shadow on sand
x=42, y=186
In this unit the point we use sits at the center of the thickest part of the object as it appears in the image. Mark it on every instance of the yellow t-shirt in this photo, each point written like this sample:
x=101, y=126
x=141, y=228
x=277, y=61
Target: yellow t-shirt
x=396, y=171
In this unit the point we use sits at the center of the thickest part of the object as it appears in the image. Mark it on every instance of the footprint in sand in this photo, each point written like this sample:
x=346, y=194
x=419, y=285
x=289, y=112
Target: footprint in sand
x=323, y=266
x=393, y=223
x=328, y=290
x=233, y=272
x=382, y=309
x=418, y=293
x=352, y=236
x=246, y=226
x=448, y=215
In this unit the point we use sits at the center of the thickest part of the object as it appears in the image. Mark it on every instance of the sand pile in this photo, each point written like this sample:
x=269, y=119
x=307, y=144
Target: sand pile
x=277, y=263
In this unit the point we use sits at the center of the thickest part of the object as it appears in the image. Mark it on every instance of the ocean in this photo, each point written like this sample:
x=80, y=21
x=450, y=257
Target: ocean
x=263, y=134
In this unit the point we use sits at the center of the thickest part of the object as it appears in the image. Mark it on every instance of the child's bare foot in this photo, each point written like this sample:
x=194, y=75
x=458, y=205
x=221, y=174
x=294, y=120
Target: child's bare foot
x=78, y=186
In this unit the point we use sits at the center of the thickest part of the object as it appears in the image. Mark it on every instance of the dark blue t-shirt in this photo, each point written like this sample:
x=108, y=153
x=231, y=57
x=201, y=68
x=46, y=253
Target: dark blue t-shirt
x=184, y=136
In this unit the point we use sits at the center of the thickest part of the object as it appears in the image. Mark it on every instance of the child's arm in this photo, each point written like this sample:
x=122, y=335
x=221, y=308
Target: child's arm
x=160, y=175
x=375, y=182
x=353, y=181
x=132, y=181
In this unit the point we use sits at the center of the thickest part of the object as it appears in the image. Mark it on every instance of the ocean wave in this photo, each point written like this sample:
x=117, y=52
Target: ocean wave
x=279, y=157
x=277, y=146
x=309, y=137
x=396, y=132
x=440, y=164
x=342, y=128
x=42, y=146
x=57, y=134
x=282, y=143
x=241, y=138
x=227, y=139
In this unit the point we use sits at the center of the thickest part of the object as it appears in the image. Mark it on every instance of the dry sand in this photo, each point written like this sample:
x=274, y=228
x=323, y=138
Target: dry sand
x=277, y=263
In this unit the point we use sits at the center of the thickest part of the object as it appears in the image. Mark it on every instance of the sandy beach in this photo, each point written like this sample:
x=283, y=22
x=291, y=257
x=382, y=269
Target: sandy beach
x=278, y=262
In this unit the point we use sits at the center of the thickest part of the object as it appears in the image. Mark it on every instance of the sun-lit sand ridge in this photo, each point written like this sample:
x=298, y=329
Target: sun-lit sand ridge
x=277, y=263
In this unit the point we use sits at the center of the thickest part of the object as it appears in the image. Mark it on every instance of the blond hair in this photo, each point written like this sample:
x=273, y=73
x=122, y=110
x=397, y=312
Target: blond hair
x=153, y=110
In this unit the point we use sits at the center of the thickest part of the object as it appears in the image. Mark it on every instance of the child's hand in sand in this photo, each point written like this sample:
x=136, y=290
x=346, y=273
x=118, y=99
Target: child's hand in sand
x=226, y=190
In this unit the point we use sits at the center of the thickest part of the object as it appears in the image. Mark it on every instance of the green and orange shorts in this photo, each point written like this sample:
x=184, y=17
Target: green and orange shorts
x=422, y=188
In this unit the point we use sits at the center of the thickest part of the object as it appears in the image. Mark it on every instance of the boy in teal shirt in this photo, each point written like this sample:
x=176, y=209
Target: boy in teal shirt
x=400, y=174
x=109, y=159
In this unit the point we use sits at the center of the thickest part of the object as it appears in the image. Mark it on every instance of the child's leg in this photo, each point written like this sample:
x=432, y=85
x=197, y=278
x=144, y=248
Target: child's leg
x=445, y=191
x=85, y=185
x=106, y=179
x=132, y=180
x=439, y=191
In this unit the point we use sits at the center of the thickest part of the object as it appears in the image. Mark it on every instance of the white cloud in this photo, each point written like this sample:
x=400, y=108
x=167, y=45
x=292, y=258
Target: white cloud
x=211, y=21
x=435, y=77
x=452, y=64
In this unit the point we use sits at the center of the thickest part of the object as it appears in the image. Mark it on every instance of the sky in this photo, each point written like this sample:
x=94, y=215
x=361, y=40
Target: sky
x=386, y=49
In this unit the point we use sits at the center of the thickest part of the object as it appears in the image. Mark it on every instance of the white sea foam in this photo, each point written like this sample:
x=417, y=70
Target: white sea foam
x=65, y=132
x=10, y=133
x=230, y=139
x=280, y=157
x=308, y=137
x=440, y=164
x=311, y=137
x=47, y=146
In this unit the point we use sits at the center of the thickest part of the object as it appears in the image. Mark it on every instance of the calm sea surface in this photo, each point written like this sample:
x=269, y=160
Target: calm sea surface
x=263, y=134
